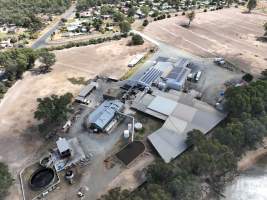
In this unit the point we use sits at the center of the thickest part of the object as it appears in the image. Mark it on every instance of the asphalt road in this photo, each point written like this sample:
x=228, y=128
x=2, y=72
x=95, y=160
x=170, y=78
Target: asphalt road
x=40, y=42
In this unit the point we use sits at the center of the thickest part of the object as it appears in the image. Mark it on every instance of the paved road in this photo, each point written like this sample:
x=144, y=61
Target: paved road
x=40, y=42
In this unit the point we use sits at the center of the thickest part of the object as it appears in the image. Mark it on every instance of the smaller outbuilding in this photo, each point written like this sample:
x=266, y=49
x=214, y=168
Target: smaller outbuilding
x=63, y=148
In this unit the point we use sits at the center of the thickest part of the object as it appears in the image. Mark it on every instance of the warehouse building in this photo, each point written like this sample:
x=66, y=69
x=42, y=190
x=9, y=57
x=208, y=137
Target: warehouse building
x=181, y=113
x=101, y=117
x=178, y=75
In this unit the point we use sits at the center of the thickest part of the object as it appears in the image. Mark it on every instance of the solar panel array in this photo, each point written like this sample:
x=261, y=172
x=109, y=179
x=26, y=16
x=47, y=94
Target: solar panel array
x=150, y=76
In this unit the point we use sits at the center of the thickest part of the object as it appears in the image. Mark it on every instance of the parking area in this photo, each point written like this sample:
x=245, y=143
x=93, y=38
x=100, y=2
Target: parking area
x=228, y=33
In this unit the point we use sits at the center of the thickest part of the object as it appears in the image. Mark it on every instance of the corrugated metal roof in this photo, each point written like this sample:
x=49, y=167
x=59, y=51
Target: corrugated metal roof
x=87, y=89
x=62, y=145
x=105, y=113
x=162, y=105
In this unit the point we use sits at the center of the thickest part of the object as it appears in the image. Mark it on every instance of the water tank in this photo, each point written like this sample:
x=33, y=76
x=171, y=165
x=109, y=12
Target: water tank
x=138, y=126
x=126, y=134
x=162, y=86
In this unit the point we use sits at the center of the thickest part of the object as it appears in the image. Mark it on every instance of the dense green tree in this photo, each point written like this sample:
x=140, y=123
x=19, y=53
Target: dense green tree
x=52, y=111
x=115, y=194
x=47, y=58
x=185, y=187
x=251, y=5
x=145, y=22
x=264, y=74
x=24, y=13
x=233, y=136
x=145, y=10
x=131, y=12
x=160, y=172
x=137, y=40
x=16, y=61
x=97, y=23
x=265, y=28
x=118, y=17
x=247, y=77
x=6, y=180
x=208, y=157
x=125, y=26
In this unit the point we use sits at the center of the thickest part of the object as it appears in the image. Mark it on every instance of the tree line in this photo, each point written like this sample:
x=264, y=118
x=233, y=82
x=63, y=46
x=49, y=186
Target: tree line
x=24, y=13
x=18, y=60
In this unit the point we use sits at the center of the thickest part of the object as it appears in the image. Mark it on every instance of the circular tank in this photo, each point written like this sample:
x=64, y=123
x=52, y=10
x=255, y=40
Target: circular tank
x=138, y=126
x=42, y=178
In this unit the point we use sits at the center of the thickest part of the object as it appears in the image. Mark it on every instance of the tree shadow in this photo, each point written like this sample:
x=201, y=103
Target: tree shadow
x=262, y=38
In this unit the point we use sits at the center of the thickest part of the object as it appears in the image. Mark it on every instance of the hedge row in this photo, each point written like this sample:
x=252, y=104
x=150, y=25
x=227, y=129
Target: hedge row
x=88, y=42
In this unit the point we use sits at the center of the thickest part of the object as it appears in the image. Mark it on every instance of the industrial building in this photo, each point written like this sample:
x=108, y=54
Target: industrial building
x=167, y=75
x=177, y=77
x=81, y=98
x=181, y=113
x=102, y=116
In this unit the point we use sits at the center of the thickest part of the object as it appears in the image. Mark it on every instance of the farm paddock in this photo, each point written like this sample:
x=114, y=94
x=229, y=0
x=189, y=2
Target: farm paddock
x=225, y=33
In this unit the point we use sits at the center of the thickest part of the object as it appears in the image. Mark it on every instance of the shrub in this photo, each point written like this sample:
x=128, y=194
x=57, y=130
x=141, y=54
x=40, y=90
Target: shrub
x=205, y=10
x=145, y=22
x=247, y=77
x=137, y=40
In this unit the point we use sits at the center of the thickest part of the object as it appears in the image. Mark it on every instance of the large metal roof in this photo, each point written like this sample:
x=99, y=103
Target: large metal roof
x=162, y=105
x=169, y=140
x=105, y=113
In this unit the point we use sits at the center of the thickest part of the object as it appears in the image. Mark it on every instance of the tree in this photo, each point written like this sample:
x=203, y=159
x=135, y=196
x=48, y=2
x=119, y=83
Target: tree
x=47, y=58
x=125, y=27
x=191, y=16
x=137, y=39
x=185, y=186
x=6, y=180
x=118, y=17
x=52, y=111
x=247, y=77
x=265, y=28
x=145, y=22
x=115, y=194
x=251, y=5
x=97, y=23
x=264, y=74
x=229, y=3
x=131, y=12
x=145, y=10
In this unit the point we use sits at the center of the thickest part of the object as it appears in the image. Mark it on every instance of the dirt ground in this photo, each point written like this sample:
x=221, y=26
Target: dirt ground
x=228, y=33
x=19, y=141
x=251, y=157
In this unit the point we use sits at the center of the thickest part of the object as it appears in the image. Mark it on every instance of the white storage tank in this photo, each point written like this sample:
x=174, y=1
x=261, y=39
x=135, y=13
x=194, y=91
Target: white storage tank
x=138, y=126
x=126, y=134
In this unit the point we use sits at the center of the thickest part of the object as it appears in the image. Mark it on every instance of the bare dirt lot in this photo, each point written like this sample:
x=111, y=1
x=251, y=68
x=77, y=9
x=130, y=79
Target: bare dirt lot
x=19, y=142
x=228, y=33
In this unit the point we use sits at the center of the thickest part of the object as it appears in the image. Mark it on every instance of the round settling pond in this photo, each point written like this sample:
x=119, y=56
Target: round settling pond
x=42, y=178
